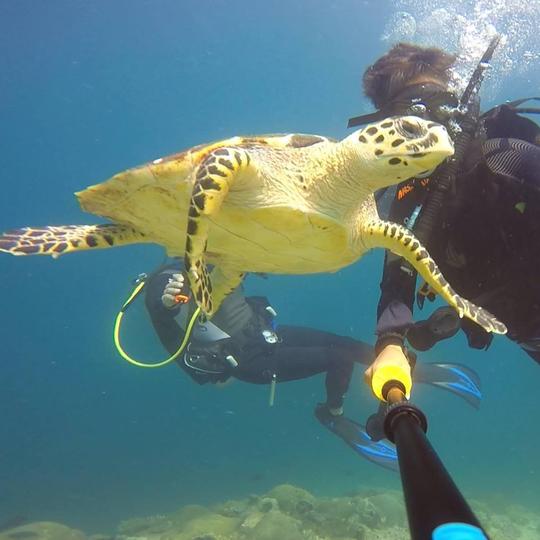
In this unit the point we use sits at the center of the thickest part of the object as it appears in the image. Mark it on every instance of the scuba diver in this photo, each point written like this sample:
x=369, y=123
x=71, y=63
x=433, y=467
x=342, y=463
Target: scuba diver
x=478, y=214
x=242, y=341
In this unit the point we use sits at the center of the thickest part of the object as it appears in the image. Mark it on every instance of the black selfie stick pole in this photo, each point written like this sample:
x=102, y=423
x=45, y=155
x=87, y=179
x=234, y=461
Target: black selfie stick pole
x=436, y=509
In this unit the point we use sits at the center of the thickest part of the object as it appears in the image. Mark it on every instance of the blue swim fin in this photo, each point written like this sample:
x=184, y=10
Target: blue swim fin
x=382, y=453
x=456, y=378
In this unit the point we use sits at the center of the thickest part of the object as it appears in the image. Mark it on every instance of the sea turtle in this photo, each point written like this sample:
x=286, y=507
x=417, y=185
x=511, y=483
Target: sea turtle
x=289, y=204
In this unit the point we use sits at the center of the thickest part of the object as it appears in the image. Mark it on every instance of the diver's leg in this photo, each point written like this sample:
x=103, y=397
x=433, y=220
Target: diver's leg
x=301, y=336
x=291, y=363
x=306, y=352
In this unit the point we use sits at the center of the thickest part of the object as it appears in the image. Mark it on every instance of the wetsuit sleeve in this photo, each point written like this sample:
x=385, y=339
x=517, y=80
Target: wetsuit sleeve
x=394, y=312
x=163, y=319
x=398, y=285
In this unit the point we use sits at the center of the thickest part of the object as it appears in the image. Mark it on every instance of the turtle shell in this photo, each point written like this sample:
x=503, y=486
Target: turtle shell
x=259, y=228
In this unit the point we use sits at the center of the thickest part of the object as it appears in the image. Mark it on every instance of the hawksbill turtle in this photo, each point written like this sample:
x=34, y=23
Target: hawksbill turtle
x=288, y=204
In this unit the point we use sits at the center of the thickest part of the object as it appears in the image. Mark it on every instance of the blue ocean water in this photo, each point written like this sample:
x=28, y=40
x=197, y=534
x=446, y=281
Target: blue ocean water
x=90, y=88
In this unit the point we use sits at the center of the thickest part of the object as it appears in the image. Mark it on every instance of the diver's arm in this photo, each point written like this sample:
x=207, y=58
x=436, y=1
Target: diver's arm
x=163, y=319
x=394, y=318
x=394, y=311
x=398, y=284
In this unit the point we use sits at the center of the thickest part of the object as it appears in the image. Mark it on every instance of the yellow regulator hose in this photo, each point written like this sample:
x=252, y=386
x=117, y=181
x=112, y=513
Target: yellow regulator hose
x=118, y=323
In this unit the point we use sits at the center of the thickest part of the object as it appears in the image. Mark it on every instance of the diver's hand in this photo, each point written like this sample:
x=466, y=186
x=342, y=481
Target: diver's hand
x=176, y=292
x=391, y=355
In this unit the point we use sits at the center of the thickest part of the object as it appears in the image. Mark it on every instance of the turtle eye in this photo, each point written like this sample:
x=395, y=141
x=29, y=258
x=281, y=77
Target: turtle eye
x=409, y=129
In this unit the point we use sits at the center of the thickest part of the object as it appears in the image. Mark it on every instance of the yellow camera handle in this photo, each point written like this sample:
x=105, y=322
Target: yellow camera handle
x=381, y=381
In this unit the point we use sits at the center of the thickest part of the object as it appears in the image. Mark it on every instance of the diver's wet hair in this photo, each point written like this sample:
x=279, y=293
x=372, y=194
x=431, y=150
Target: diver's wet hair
x=404, y=62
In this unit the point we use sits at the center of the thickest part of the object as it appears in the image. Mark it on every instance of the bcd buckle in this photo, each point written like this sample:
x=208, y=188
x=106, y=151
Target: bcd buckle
x=269, y=336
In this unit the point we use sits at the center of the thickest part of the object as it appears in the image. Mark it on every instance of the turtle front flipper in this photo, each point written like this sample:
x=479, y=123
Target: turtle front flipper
x=213, y=179
x=56, y=241
x=398, y=239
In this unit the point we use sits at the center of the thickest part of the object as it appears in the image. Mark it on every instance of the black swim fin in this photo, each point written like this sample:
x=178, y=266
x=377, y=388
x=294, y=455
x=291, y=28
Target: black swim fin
x=382, y=453
x=456, y=378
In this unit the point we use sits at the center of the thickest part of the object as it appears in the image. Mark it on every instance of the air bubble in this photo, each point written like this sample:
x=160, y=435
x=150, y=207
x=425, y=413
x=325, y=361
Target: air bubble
x=466, y=27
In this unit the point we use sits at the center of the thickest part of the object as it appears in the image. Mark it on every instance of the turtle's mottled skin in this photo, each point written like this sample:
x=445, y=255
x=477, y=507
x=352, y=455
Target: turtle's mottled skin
x=289, y=204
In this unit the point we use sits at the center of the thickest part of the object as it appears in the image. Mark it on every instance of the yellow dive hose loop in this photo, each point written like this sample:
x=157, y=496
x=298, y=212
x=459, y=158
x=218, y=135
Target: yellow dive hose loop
x=118, y=323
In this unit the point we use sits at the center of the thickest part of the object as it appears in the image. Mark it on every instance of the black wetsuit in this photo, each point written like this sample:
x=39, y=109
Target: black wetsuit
x=239, y=328
x=487, y=240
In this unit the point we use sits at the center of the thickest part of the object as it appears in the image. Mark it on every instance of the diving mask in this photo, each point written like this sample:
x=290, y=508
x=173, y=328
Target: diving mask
x=427, y=100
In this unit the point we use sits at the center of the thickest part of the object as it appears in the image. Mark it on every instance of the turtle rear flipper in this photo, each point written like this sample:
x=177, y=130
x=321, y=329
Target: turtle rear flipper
x=56, y=241
x=398, y=239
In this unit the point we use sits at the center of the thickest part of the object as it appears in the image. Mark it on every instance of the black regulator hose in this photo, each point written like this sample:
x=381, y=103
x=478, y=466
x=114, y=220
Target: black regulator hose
x=442, y=182
x=443, y=179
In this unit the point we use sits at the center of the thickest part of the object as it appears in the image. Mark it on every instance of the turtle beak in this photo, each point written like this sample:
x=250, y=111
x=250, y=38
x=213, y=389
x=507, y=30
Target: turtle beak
x=428, y=161
x=432, y=150
x=444, y=145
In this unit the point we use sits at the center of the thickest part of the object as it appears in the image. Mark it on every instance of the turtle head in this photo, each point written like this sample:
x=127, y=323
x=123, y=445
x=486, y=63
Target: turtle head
x=401, y=147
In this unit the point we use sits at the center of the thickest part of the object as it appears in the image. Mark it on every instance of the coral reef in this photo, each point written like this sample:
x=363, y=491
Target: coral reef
x=42, y=530
x=287, y=512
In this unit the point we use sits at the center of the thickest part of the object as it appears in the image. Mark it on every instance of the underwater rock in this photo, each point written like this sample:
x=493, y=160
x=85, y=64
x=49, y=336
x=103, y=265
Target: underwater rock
x=501, y=527
x=358, y=517
x=289, y=513
x=267, y=503
x=275, y=525
x=188, y=512
x=390, y=507
x=42, y=530
x=252, y=520
x=288, y=497
x=367, y=514
x=516, y=522
x=232, y=508
x=303, y=507
x=331, y=516
x=188, y=522
x=147, y=525
x=207, y=526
